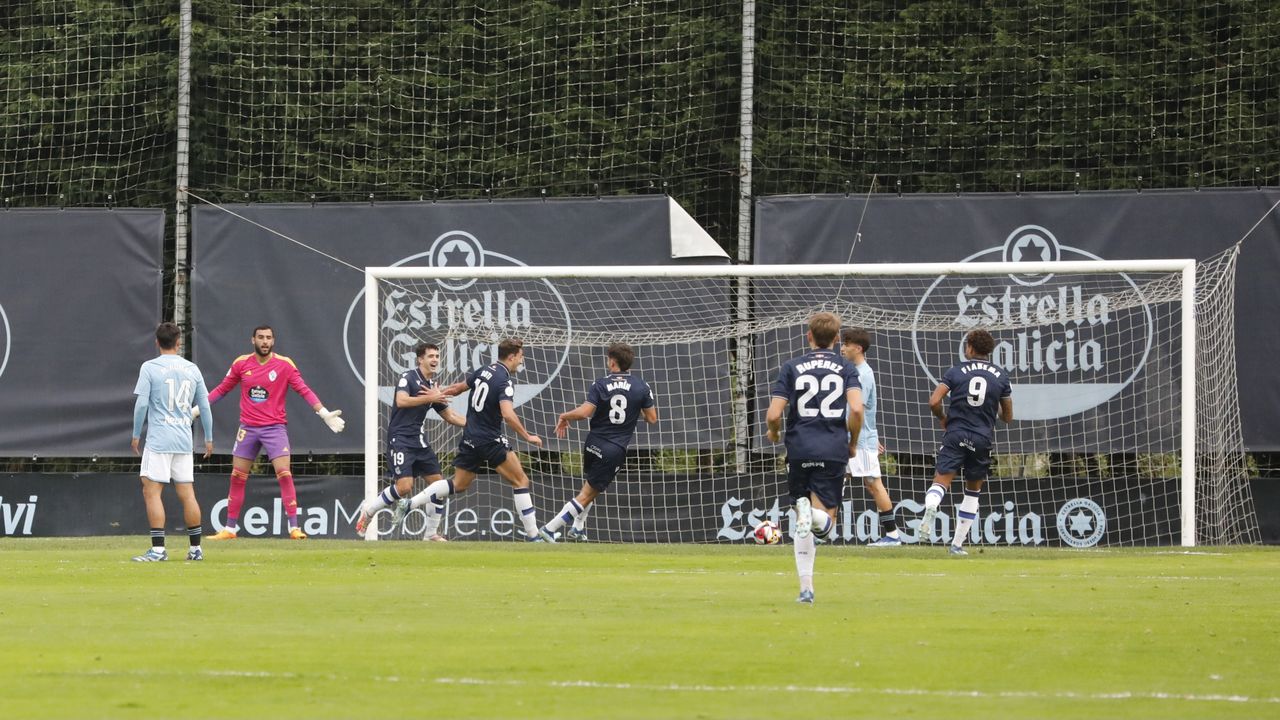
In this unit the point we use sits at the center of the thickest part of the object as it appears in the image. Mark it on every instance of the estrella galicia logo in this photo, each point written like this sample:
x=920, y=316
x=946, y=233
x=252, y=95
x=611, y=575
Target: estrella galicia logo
x=1031, y=243
x=1081, y=523
x=1066, y=346
x=466, y=316
x=5, y=337
x=258, y=394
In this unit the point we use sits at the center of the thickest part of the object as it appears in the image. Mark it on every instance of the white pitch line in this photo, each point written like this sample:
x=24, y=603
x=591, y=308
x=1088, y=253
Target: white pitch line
x=844, y=690
x=904, y=574
x=698, y=688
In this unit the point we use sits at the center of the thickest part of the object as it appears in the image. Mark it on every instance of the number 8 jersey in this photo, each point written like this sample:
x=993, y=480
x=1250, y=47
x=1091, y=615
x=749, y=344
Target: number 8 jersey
x=975, y=390
x=618, y=398
x=814, y=386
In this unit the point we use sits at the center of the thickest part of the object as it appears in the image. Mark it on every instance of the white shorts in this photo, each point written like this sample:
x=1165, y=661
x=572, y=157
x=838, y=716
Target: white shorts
x=866, y=464
x=162, y=467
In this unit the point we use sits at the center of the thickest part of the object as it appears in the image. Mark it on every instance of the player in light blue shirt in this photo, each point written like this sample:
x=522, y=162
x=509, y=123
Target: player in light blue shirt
x=854, y=344
x=167, y=387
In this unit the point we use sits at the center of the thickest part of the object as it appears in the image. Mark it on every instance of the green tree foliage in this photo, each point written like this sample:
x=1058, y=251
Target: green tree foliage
x=88, y=90
x=950, y=93
x=405, y=100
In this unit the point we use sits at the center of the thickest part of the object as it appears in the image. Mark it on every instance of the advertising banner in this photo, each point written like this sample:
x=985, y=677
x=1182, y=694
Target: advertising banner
x=309, y=287
x=80, y=298
x=1103, y=225
x=1060, y=512
x=87, y=504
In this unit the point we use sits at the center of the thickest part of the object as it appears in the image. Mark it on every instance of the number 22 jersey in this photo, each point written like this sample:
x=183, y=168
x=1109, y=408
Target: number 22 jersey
x=814, y=386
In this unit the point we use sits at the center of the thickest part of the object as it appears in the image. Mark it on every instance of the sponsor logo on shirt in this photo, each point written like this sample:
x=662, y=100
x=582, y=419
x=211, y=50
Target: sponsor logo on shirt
x=258, y=394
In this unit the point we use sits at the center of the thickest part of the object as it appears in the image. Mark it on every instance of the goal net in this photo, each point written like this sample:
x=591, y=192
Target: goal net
x=1126, y=426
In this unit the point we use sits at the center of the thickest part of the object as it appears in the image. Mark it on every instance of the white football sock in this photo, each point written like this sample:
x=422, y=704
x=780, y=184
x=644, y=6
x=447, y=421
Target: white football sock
x=384, y=499
x=580, y=522
x=523, y=498
x=933, y=498
x=805, y=549
x=967, y=512
x=568, y=513
x=822, y=524
x=435, y=513
x=438, y=490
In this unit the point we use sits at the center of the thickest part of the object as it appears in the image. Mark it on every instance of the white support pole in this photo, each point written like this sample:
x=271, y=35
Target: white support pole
x=371, y=449
x=744, y=359
x=181, y=270
x=744, y=355
x=1188, y=500
x=746, y=129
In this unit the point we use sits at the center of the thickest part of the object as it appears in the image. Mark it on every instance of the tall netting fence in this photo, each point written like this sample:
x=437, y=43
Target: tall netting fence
x=88, y=93
x=996, y=96
x=352, y=99
x=343, y=100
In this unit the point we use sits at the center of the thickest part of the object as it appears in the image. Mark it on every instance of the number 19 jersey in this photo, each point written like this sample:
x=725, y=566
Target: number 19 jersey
x=814, y=386
x=409, y=424
x=976, y=388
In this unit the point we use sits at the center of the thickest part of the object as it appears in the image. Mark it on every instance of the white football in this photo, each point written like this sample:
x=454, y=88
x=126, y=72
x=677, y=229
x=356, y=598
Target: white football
x=766, y=533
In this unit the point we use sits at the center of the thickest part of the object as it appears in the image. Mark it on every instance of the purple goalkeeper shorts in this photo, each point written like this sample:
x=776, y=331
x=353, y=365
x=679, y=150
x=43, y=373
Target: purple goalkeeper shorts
x=271, y=439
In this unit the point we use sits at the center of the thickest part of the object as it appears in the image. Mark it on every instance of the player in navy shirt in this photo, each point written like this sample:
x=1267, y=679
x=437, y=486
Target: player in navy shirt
x=614, y=404
x=490, y=403
x=820, y=394
x=409, y=454
x=978, y=392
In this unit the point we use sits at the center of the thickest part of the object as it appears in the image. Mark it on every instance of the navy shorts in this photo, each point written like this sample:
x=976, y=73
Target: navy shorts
x=600, y=463
x=411, y=460
x=823, y=478
x=474, y=456
x=967, y=453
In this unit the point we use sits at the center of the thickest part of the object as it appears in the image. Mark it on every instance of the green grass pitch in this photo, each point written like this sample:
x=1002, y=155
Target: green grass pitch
x=397, y=629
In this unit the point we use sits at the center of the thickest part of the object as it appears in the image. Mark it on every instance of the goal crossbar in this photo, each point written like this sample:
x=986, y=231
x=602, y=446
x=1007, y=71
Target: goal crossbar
x=754, y=271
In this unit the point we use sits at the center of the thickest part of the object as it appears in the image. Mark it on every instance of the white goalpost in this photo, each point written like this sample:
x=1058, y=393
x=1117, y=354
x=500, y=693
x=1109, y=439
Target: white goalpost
x=1126, y=428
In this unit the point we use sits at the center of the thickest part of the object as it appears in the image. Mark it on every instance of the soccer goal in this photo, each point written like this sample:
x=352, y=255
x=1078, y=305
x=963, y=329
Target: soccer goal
x=1127, y=428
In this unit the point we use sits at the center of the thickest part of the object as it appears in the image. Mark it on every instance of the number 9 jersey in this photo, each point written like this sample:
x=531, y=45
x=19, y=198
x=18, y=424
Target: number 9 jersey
x=976, y=388
x=814, y=386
